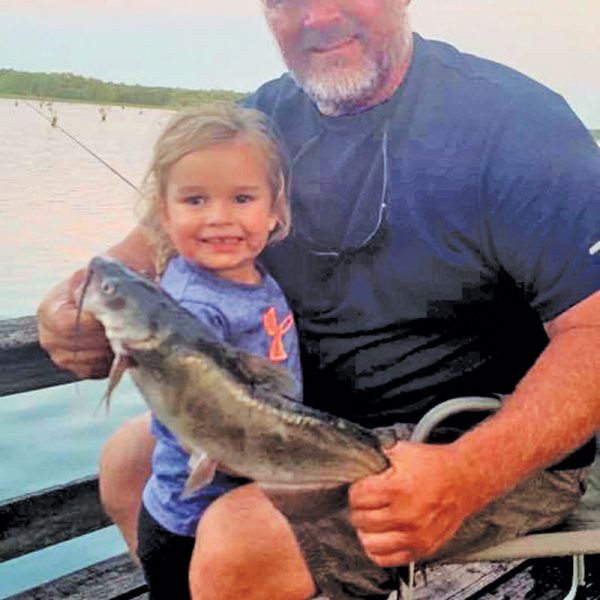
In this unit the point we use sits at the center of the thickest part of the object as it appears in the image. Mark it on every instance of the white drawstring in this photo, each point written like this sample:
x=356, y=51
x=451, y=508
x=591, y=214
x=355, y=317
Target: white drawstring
x=405, y=591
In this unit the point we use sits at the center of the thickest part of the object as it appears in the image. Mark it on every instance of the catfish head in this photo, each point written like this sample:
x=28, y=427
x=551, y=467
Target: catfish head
x=138, y=317
x=127, y=305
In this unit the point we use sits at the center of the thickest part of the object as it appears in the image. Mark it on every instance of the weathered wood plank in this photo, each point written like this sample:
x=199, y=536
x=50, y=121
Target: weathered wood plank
x=534, y=579
x=114, y=579
x=547, y=579
x=544, y=580
x=459, y=582
x=41, y=519
x=24, y=366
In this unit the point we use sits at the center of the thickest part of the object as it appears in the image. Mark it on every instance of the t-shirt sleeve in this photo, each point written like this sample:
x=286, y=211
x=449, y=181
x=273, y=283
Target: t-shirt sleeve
x=540, y=199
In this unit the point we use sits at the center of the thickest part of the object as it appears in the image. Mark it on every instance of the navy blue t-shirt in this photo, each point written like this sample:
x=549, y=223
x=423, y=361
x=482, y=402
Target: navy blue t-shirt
x=432, y=235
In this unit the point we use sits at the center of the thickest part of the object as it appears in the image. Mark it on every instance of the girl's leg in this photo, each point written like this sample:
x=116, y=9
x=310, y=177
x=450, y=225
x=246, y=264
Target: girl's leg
x=165, y=558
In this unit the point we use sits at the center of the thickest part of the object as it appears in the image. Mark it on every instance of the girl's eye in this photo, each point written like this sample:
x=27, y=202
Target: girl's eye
x=243, y=199
x=194, y=200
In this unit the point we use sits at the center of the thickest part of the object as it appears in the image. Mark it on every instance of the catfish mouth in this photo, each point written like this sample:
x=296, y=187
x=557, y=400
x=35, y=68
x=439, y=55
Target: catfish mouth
x=126, y=345
x=148, y=343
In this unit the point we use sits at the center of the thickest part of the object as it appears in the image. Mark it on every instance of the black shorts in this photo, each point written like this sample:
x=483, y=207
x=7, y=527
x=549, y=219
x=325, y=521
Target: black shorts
x=165, y=558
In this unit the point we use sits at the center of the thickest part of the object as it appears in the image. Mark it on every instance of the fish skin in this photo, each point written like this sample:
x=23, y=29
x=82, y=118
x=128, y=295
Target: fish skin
x=235, y=407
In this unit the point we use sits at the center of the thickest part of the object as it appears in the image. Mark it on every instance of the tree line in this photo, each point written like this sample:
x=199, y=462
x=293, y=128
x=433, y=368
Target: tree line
x=66, y=86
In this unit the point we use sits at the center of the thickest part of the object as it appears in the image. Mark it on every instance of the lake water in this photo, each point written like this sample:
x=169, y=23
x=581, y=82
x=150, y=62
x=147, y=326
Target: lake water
x=59, y=206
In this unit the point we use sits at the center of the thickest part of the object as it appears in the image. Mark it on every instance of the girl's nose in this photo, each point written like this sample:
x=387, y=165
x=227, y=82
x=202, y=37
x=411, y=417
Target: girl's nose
x=219, y=212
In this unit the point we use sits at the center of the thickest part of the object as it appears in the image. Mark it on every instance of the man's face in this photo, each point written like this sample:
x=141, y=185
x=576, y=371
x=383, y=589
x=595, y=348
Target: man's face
x=343, y=53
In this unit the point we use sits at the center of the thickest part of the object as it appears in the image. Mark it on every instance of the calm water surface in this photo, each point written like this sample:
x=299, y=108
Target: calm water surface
x=58, y=207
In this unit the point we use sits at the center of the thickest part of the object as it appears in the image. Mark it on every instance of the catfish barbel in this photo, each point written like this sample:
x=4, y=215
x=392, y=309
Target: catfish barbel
x=226, y=406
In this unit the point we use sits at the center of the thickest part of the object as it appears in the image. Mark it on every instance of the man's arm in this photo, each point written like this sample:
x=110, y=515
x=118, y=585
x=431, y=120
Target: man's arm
x=417, y=505
x=85, y=350
x=137, y=251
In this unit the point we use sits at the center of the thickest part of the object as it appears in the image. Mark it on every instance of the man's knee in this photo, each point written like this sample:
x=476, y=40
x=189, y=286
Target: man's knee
x=245, y=548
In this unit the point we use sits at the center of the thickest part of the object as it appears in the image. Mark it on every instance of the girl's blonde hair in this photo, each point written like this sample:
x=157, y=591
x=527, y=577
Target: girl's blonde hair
x=199, y=128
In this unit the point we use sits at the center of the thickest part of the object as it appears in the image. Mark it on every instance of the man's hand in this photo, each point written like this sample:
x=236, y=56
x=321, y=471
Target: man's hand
x=81, y=348
x=412, y=509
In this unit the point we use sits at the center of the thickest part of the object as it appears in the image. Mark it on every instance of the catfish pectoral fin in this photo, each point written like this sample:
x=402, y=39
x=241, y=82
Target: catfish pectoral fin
x=120, y=364
x=202, y=472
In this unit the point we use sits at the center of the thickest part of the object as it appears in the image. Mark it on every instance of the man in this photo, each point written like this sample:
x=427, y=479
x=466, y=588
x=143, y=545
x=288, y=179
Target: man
x=445, y=215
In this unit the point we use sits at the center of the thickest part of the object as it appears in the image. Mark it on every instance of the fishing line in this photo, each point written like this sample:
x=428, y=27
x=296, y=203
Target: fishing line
x=53, y=121
x=54, y=124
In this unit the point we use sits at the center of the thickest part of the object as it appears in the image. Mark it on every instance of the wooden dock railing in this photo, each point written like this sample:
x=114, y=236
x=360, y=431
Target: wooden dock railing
x=24, y=365
x=35, y=521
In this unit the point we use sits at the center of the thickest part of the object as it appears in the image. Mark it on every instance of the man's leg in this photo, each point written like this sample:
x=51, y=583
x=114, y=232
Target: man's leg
x=125, y=465
x=536, y=504
x=245, y=548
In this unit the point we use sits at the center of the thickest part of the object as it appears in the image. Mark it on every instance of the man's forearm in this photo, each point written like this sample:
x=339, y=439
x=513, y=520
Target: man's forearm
x=137, y=251
x=555, y=409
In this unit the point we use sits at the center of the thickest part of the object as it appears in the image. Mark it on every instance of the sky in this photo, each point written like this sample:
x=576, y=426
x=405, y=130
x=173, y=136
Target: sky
x=208, y=44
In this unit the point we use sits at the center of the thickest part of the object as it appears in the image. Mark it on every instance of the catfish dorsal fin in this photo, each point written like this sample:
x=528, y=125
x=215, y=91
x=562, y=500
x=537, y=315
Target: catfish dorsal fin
x=263, y=372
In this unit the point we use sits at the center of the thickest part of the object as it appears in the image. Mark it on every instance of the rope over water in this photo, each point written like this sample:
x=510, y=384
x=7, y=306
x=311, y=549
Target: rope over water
x=54, y=122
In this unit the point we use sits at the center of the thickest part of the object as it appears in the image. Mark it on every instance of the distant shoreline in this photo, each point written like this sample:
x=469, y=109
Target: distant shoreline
x=595, y=133
x=67, y=87
x=91, y=102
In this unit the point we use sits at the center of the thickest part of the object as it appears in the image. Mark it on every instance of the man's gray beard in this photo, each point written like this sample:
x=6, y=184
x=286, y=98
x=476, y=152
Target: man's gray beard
x=342, y=93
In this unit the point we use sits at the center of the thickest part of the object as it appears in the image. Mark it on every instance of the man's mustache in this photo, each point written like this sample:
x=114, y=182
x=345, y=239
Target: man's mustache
x=325, y=37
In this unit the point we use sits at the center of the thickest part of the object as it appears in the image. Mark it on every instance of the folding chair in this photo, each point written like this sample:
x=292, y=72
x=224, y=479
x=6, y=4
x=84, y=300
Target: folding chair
x=577, y=536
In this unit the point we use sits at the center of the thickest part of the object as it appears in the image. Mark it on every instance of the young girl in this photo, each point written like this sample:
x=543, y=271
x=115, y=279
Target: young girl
x=215, y=195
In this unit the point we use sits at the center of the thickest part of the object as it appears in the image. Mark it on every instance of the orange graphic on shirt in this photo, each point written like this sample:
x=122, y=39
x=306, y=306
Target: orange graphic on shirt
x=277, y=330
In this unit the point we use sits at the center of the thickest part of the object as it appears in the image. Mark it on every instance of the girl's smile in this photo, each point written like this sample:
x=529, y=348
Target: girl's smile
x=222, y=244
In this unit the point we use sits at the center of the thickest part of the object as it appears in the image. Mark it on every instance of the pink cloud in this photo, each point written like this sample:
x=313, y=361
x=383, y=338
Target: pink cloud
x=544, y=38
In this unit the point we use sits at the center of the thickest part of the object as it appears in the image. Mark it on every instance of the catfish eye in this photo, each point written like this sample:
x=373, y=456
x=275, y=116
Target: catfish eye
x=108, y=287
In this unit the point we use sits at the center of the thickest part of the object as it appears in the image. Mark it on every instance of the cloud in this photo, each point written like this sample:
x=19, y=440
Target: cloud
x=549, y=40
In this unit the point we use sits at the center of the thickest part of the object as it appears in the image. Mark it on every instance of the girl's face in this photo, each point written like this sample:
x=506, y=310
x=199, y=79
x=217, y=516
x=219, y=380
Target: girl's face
x=218, y=208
